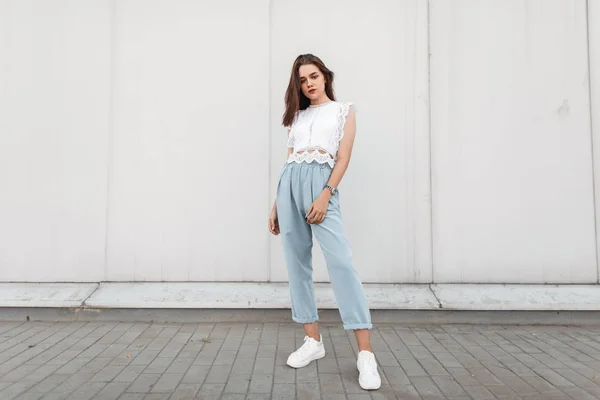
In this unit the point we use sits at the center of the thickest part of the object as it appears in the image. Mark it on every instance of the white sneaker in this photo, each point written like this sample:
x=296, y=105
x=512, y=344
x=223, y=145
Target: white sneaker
x=368, y=376
x=309, y=351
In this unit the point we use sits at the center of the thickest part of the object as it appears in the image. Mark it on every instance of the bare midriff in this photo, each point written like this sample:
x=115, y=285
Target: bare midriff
x=313, y=150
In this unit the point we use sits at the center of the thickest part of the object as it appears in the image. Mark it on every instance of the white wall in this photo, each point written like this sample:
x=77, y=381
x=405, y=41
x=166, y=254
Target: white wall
x=54, y=124
x=511, y=156
x=189, y=141
x=594, y=57
x=141, y=140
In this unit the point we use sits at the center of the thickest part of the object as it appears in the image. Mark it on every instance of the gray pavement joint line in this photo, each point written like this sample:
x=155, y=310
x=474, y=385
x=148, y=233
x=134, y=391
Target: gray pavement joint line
x=55, y=344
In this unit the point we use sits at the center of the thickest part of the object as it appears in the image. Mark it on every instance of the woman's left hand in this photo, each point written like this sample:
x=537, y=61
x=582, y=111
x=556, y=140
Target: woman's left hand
x=318, y=209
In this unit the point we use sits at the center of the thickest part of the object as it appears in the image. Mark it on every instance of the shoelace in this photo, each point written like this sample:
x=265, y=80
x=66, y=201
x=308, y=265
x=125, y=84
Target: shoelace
x=302, y=350
x=370, y=363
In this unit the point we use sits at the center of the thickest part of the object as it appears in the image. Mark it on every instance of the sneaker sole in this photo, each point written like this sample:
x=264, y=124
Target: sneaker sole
x=369, y=388
x=317, y=357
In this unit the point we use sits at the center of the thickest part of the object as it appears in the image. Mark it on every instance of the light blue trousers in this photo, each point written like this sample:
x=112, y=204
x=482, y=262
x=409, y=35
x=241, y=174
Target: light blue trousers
x=299, y=185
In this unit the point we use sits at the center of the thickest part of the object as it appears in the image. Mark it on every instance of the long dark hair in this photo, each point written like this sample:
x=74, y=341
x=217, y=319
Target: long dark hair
x=295, y=100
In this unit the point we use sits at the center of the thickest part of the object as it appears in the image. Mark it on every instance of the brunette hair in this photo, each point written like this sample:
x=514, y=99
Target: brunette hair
x=295, y=100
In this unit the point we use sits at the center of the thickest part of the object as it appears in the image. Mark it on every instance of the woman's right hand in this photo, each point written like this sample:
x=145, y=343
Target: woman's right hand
x=274, y=221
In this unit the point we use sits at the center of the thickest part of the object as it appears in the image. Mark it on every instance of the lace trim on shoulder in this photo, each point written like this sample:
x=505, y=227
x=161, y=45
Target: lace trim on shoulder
x=344, y=109
x=310, y=157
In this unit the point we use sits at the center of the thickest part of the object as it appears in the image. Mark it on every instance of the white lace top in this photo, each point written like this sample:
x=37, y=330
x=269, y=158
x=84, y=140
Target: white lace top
x=319, y=127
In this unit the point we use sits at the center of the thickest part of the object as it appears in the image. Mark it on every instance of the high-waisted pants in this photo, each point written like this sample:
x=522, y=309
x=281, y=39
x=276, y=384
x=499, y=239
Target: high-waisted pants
x=299, y=185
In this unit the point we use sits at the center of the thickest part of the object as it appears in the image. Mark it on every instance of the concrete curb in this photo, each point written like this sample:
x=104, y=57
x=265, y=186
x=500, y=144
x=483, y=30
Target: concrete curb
x=233, y=295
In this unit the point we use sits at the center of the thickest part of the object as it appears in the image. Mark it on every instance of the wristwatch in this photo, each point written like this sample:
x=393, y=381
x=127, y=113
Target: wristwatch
x=331, y=189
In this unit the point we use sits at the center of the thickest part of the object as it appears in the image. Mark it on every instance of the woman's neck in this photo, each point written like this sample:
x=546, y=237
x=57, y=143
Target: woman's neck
x=319, y=101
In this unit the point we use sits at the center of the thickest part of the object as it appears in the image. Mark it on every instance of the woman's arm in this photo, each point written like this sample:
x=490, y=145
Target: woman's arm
x=344, y=151
x=273, y=218
x=289, y=153
x=316, y=212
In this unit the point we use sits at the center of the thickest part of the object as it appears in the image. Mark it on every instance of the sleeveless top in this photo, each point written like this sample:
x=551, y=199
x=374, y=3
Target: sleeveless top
x=319, y=127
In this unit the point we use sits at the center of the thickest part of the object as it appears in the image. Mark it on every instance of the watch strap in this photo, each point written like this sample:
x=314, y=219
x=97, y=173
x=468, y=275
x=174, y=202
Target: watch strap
x=331, y=189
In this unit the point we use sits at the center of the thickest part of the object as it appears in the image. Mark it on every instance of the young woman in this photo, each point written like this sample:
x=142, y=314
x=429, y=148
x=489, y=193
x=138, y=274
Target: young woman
x=320, y=138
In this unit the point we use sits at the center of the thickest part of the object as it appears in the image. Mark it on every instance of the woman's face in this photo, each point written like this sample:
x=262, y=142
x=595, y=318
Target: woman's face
x=312, y=81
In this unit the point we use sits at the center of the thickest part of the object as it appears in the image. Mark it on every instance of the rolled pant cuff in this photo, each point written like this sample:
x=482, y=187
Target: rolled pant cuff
x=305, y=320
x=357, y=326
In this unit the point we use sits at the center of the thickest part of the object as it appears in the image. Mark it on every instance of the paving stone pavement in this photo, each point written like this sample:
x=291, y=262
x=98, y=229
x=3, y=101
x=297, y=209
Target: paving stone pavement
x=131, y=361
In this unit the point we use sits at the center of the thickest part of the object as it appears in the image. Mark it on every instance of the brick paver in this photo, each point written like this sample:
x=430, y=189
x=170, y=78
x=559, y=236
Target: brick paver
x=105, y=361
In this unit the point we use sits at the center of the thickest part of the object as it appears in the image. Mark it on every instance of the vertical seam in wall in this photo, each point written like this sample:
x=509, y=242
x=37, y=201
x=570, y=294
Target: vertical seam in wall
x=111, y=68
x=410, y=231
x=270, y=144
x=411, y=169
x=430, y=137
x=591, y=110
